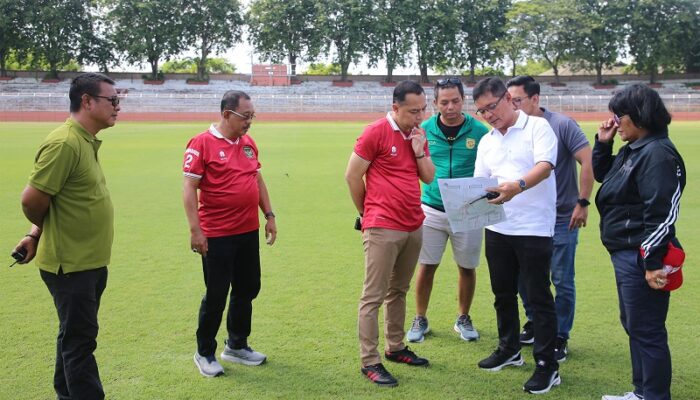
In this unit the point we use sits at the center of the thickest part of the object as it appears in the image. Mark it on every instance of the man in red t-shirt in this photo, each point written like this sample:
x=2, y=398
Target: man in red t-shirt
x=391, y=155
x=222, y=192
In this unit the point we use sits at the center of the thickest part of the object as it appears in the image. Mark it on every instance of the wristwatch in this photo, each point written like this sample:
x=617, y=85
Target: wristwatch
x=522, y=185
x=269, y=215
x=583, y=202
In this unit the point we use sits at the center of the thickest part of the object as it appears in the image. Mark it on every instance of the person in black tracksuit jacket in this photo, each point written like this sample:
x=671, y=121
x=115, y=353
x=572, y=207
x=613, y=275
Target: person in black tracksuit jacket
x=638, y=202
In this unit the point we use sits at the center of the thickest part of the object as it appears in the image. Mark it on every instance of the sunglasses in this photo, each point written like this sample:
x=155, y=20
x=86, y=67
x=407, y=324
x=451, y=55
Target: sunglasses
x=114, y=99
x=448, y=81
x=617, y=119
x=491, y=107
x=243, y=116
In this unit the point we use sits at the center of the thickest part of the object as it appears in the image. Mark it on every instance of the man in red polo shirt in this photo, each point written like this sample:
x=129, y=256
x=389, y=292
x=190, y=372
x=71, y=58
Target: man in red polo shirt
x=222, y=192
x=392, y=155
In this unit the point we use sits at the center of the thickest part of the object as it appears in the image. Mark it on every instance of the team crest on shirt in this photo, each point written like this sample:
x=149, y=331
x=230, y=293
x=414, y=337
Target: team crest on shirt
x=394, y=152
x=222, y=155
x=471, y=143
x=248, y=151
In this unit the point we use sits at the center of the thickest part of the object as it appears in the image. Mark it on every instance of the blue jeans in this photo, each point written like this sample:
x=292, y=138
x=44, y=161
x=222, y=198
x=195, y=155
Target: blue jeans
x=563, y=258
x=643, y=313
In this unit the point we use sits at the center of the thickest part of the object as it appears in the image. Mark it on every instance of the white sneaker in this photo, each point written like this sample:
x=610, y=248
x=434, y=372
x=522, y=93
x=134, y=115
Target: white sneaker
x=246, y=356
x=208, y=366
x=626, y=396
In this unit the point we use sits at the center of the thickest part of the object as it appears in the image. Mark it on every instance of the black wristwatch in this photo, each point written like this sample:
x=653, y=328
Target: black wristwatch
x=583, y=202
x=522, y=185
x=269, y=215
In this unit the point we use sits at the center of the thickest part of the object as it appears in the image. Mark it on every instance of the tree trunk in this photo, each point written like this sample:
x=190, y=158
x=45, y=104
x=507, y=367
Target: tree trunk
x=201, y=68
x=154, y=69
x=344, y=70
x=423, y=67
x=556, y=73
x=653, y=71
x=3, y=63
x=202, y=65
x=515, y=65
x=389, y=73
x=599, y=74
x=472, y=73
x=293, y=63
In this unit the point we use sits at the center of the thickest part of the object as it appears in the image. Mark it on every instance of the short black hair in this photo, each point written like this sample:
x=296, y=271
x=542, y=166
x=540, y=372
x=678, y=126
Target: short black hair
x=87, y=83
x=644, y=107
x=493, y=85
x=232, y=98
x=405, y=87
x=529, y=84
x=448, y=85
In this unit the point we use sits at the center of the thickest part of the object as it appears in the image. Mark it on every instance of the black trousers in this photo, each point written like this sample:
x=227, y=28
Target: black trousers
x=232, y=261
x=528, y=258
x=77, y=299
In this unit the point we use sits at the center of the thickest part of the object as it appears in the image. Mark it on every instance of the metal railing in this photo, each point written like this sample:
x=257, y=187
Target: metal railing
x=306, y=103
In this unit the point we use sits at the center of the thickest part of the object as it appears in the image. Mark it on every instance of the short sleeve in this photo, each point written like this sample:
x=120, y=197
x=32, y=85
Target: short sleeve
x=53, y=165
x=480, y=168
x=367, y=144
x=544, y=143
x=193, y=163
x=574, y=139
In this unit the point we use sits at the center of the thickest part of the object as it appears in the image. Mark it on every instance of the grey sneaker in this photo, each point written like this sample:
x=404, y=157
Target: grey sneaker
x=626, y=396
x=245, y=356
x=419, y=328
x=465, y=328
x=208, y=366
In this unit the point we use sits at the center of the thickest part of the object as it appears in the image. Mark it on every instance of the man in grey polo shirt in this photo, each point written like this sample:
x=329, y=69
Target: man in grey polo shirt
x=572, y=207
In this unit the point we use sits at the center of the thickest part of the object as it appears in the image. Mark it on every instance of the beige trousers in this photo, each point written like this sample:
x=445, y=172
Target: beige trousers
x=390, y=259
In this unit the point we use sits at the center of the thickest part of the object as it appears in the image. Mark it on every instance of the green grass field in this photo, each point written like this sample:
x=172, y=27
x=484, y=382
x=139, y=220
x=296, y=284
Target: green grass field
x=306, y=315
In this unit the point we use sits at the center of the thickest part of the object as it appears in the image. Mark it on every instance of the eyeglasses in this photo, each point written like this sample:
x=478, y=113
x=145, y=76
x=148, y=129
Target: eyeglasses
x=243, y=116
x=518, y=100
x=448, y=81
x=617, y=119
x=491, y=107
x=113, y=99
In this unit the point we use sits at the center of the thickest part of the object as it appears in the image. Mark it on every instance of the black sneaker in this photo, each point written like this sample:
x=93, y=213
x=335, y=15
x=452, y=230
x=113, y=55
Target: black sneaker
x=542, y=379
x=498, y=359
x=527, y=336
x=561, y=349
x=405, y=356
x=379, y=375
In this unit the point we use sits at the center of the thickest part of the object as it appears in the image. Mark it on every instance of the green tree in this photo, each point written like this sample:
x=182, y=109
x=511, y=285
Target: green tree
x=548, y=27
x=149, y=30
x=386, y=42
x=687, y=39
x=481, y=23
x=511, y=46
x=12, y=19
x=189, y=66
x=433, y=30
x=323, y=69
x=344, y=28
x=284, y=29
x=654, y=28
x=599, y=37
x=211, y=26
x=56, y=29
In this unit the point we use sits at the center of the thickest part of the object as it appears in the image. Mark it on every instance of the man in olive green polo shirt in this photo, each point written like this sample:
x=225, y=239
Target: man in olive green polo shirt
x=69, y=207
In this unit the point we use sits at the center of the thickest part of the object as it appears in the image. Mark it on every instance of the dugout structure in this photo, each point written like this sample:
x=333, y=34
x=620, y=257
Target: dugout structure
x=270, y=75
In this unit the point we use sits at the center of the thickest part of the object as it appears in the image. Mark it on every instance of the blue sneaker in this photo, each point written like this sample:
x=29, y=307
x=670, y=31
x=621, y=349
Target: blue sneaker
x=419, y=328
x=465, y=328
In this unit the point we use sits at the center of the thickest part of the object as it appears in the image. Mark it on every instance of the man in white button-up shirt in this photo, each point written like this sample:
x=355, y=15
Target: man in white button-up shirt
x=520, y=151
